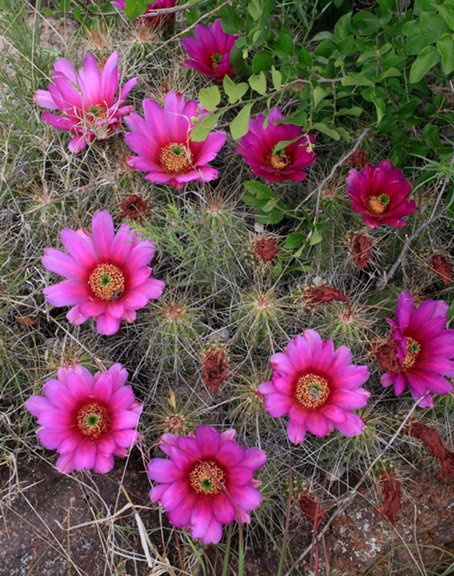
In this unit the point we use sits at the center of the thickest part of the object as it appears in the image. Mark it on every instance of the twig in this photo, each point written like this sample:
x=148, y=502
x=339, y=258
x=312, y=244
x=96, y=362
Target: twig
x=387, y=276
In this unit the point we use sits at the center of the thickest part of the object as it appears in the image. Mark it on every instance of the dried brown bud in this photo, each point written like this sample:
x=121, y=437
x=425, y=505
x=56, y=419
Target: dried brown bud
x=386, y=355
x=134, y=206
x=311, y=508
x=357, y=159
x=266, y=249
x=361, y=247
x=391, y=486
x=215, y=368
x=316, y=295
x=442, y=267
x=433, y=441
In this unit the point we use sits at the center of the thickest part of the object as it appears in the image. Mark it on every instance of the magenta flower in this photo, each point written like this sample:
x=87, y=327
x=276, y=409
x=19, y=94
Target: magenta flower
x=208, y=481
x=154, y=21
x=163, y=143
x=424, y=349
x=209, y=51
x=380, y=193
x=107, y=274
x=86, y=100
x=87, y=419
x=258, y=149
x=317, y=387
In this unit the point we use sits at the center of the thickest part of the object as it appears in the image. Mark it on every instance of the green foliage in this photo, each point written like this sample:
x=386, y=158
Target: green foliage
x=378, y=66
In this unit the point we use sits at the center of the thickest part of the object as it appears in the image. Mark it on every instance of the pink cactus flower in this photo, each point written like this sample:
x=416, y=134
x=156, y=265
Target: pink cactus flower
x=107, y=274
x=424, y=348
x=258, y=149
x=207, y=482
x=317, y=387
x=163, y=143
x=87, y=102
x=209, y=51
x=380, y=193
x=154, y=21
x=87, y=419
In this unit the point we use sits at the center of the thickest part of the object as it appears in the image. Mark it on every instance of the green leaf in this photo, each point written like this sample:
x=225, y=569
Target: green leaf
x=318, y=94
x=201, y=130
x=315, y=237
x=134, y=8
x=274, y=217
x=372, y=96
x=270, y=205
x=258, y=189
x=276, y=76
x=305, y=57
x=231, y=20
x=354, y=111
x=342, y=27
x=423, y=32
x=426, y=60
x=234, y=91
x=365, y=23
x=258, y=83
x=354, y=79
x=262, y=60
x=283, y=144
x=254, y=9
x=446, y=11
x=210, y=98
x=240, y=124
x=324, y=129
x=284, y=45
x=294, y=240
x=445, y=46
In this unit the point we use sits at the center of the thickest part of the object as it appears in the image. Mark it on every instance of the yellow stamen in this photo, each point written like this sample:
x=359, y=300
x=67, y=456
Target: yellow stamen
x=207, y=478
x=378, y=204
x=175, y=158
x=279, y=161
x=412, y=350
x=93, y=420
x=311, y=391
x=107, y=282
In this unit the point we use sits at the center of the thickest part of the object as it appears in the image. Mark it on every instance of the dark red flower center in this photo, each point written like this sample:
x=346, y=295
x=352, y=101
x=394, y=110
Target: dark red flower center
x=216, y=60
x=311, y=391
x=93, y=420
x=379, y=204
x=412, y=350
x=207, y=477
x=278, y=160
x=175, y=158
x=107, y=282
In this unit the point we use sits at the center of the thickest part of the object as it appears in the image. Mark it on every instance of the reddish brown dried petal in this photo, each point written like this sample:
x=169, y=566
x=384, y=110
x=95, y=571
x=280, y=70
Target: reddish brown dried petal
x=391, y=486
x=361, y=246
x=357, y=159
x=320, y=294
x=447, y=467
x=266, y=249
x=432, y=440
x=134, y=206
x=387, y=356
x=311, y=508
x=442, y=267
x=215, y=369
